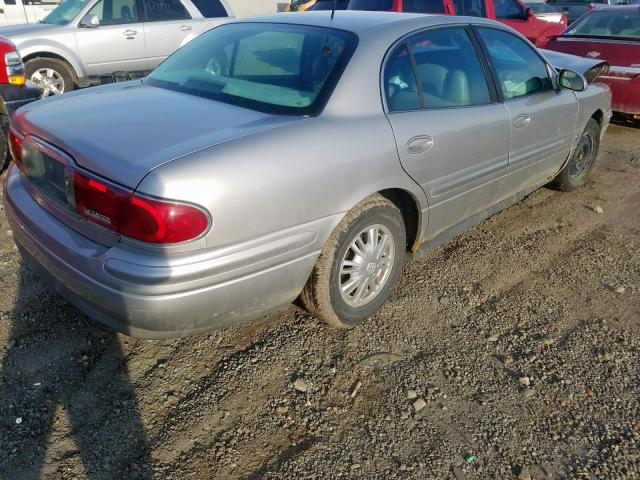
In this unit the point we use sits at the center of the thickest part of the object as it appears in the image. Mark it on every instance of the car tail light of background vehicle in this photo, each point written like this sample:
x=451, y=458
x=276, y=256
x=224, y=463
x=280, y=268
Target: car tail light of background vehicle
x=15, y=69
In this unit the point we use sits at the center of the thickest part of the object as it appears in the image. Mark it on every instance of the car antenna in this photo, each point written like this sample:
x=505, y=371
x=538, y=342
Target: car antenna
x=327, y=48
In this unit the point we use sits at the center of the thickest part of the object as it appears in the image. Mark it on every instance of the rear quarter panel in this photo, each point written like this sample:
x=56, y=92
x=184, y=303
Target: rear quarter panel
x=286, y=177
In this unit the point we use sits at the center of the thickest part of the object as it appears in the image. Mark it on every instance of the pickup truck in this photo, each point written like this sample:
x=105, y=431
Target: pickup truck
x=13, y=12
x=513, y=13
x=88, y=42
x=14, y=93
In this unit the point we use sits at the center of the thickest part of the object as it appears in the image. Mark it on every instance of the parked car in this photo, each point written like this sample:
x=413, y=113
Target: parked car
x=13, y=12
x=547, y=12
x=13, y=93
x=513, y=13
x=88, y=42
x=271, y=159
x=611, y=34
x=574, y=9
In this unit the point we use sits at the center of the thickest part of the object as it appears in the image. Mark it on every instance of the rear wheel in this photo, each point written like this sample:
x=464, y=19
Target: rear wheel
x=577, y=171
x=359, y=265
x=51, y=76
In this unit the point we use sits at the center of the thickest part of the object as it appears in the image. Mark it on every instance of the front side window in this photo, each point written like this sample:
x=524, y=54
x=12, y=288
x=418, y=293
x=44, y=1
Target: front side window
x=115, y=12
x=470, y=8
x=400, y=83
x=423, y=6
x=449, y=71
x=275, y=68
x=164, y=10
x=210, y=8
x=519, y=68
x=621, y=23
x=508, y=10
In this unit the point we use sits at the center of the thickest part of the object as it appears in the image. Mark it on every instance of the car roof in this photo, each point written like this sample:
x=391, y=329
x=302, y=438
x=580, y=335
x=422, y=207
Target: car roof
x=617, y=8
x=362, y=21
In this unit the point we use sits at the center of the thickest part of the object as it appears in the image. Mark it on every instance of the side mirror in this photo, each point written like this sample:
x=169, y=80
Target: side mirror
x=571, y=80
x=89, y=21
x=528, y=13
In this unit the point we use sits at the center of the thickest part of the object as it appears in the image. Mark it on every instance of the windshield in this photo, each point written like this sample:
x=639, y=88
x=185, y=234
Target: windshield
x=611, y=23
x=65, y=12
x=275, y=68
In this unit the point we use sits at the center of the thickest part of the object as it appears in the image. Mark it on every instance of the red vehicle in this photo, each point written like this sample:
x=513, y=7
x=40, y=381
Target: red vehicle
x=611, y=34
x=13, y=93
x=510, y=12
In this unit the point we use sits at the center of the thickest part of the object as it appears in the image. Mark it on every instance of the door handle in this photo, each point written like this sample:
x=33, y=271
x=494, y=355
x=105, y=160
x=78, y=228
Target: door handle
x=185, y=28
x=130, y=33
x=419, y=144
x=522, y=121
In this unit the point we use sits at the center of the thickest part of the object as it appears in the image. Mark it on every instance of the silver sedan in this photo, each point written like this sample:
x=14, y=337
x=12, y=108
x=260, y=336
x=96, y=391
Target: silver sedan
x=286, y=157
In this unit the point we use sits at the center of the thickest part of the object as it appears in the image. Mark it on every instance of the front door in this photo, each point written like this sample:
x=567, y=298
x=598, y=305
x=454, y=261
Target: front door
x=452, y=135
x=166, y=28
x=13, y=12
x=117, y=44
x=543, y=118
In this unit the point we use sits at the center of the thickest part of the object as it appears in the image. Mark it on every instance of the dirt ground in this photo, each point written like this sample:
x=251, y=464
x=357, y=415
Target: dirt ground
x=511, y=352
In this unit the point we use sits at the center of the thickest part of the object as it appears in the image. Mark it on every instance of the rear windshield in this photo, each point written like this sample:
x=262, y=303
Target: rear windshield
x=621, y=23
x=270, y=67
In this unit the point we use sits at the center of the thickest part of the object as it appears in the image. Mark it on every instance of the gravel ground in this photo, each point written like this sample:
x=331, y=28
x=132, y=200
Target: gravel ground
x=511, y=352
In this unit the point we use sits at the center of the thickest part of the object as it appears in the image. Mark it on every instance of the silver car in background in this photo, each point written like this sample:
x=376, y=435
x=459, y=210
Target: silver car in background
x=88, y=42
x=280, y=158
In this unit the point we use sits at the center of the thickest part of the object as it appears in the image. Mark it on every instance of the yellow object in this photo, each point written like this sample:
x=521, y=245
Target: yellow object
x=17, y=80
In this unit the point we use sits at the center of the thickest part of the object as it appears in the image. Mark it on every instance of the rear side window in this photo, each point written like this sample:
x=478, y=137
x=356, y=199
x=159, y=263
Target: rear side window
x=210, y=8
x=519, y=68
x=400, y=83
x=423, y=6
x=371, y=5
x=470, y=8
x=164, y=10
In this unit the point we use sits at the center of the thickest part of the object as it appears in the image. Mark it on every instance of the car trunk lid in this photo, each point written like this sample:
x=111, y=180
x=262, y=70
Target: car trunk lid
x=121, y=133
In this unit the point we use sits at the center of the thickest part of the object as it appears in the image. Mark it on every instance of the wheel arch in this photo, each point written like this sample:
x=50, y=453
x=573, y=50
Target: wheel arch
x=55, y=56
x=411, y=214
x=598, y=116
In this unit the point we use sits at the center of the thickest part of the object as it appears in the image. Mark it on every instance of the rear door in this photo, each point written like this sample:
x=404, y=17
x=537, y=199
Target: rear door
x=452, y=135
x=117, y=44
x=167, y=25
x=543, y=118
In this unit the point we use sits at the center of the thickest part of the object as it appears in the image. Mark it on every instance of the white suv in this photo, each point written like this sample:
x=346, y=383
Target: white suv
x=87, y=42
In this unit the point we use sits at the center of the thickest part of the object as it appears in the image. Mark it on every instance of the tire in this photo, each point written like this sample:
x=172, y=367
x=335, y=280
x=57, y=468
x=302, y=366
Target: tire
x=5, y=158
x=577, y=170
x=322, y=294
x=52, y=76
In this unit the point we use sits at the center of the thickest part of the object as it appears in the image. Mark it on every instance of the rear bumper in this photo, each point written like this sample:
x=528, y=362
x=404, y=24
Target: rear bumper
x=152, y=295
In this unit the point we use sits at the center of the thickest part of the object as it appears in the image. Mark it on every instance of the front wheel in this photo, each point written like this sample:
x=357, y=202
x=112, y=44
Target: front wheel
x=359, y=265
x=577, y=171
x=51, y=76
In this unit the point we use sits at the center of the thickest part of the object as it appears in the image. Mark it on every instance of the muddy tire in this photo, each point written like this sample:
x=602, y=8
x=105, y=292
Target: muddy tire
x=577, y=171
x=359, y=265
x=51, y=76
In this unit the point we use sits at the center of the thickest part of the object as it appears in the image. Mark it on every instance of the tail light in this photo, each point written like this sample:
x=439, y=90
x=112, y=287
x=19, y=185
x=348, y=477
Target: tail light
x=15, y=146
x=15, y=68
x=136, y=216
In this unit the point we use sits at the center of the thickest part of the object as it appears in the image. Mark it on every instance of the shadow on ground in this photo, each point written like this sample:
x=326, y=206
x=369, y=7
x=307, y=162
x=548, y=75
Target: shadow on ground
x=65, y=395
